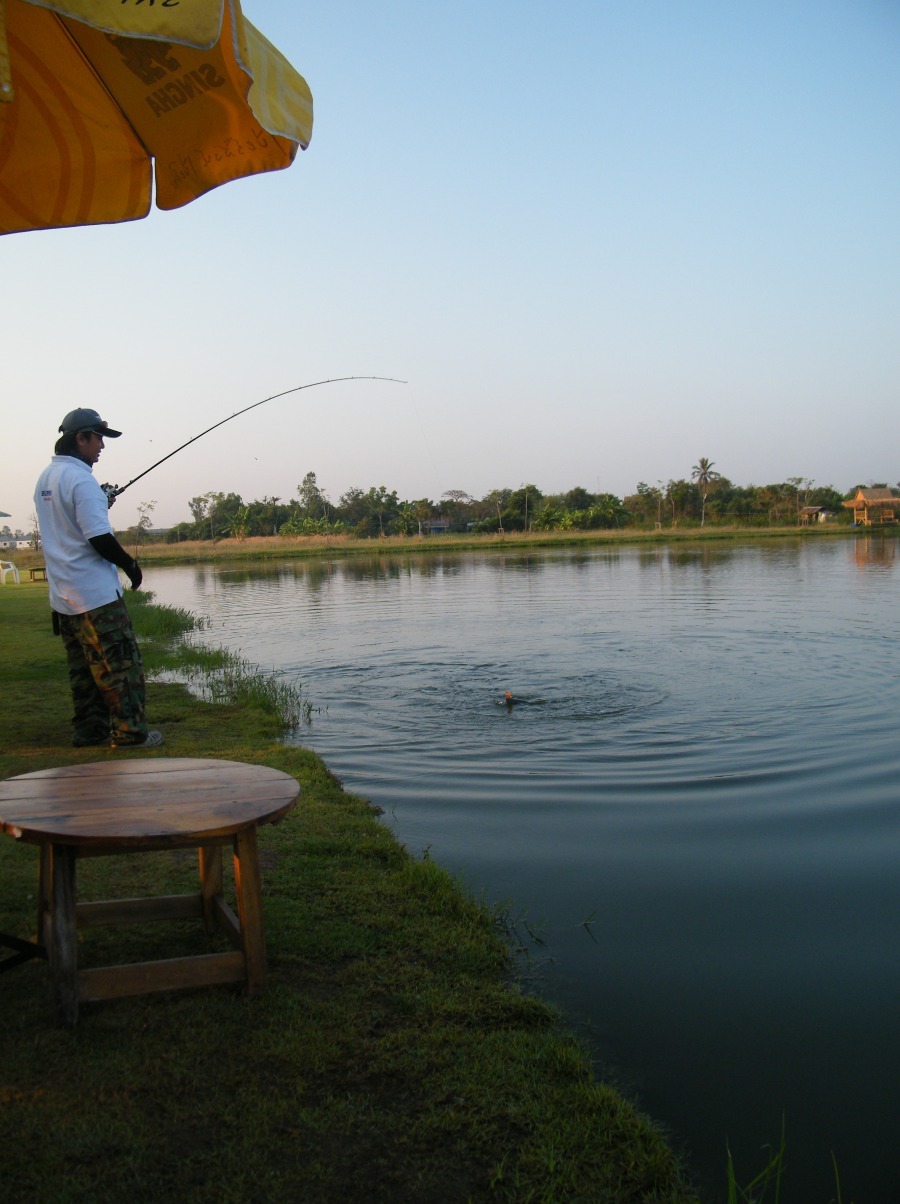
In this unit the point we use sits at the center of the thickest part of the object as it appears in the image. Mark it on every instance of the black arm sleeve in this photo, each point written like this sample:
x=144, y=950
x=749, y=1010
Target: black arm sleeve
x=110, y=549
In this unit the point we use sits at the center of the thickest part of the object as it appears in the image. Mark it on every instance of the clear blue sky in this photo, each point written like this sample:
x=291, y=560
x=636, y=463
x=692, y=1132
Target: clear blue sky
x=599, y=238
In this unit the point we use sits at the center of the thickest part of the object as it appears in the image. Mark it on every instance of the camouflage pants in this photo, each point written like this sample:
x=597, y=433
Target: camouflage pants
x=106, y=676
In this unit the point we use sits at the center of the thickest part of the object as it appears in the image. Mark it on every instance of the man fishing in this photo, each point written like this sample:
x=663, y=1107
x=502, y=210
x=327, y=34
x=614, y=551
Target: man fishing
x=82, y=556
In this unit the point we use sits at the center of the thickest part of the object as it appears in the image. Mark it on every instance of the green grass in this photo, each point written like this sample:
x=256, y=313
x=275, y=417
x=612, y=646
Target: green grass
x=215, y=674
x=160, y=625
x=392, y=1058
x=767, y=1184
x=756, y=1191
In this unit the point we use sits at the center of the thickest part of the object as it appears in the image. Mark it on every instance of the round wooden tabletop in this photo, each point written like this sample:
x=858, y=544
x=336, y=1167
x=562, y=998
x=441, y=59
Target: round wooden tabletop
x=159, y=801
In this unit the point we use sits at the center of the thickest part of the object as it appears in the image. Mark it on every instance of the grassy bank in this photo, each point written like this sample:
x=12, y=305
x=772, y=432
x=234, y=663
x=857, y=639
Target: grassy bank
x=391, y=1059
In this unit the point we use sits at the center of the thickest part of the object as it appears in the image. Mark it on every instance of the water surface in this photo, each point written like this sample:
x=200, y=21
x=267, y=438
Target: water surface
x=692, y=805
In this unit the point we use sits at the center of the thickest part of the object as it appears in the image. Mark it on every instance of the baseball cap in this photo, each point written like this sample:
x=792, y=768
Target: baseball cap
x=87, y=420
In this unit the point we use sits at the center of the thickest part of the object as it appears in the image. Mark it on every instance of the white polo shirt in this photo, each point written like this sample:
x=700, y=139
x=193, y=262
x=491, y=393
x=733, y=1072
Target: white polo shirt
x=71, y=509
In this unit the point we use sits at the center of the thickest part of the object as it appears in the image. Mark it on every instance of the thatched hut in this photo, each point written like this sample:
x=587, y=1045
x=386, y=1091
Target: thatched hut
x=873, y=507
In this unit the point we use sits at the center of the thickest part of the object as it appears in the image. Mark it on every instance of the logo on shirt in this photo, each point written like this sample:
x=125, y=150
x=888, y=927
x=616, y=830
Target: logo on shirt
x=46, y=495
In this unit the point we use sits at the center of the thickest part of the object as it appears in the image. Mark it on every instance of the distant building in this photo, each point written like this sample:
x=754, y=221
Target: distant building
x=813, y=514
x=873, y=507
x=437, y=525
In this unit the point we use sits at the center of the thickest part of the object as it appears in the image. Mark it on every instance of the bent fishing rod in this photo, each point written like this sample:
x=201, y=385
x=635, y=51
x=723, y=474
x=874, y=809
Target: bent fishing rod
x=113, y=491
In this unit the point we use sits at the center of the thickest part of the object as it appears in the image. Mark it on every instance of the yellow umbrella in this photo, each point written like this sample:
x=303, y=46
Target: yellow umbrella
x=92, y=90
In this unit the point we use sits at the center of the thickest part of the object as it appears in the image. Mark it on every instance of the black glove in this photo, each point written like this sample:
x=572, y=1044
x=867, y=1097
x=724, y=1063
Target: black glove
x=110, y=549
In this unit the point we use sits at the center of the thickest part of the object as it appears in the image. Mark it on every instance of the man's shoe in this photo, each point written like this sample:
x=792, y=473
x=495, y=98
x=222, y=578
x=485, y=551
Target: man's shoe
x=153, y=740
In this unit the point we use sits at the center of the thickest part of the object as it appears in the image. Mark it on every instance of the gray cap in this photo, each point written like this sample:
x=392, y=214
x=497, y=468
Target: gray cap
x=87, y=420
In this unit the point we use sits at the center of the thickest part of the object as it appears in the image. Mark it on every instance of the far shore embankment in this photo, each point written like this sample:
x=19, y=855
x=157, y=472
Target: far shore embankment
x=276, y=547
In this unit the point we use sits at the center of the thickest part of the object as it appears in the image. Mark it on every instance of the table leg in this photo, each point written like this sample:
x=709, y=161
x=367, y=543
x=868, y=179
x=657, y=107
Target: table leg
x=60, y=937
x=45, y=877
x=210, y=882
x=249, y=898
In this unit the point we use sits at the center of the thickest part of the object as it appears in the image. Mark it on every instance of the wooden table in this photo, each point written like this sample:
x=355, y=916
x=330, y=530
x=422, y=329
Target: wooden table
x=127, y=806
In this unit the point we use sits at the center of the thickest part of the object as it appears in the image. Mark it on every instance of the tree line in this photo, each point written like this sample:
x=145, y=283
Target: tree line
x=707, y=497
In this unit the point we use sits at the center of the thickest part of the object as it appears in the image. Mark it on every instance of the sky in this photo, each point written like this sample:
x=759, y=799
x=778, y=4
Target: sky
x=599, y=239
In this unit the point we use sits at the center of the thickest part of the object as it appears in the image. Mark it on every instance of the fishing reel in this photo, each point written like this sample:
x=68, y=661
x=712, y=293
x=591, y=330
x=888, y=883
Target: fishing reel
x=111, y=491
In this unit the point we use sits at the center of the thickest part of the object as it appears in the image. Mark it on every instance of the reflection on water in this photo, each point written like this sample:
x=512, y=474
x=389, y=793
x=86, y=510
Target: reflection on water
x=696, y=804
x=875, y=551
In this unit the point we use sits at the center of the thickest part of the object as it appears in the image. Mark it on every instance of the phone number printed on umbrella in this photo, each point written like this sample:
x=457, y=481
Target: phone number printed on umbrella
x=231, y=148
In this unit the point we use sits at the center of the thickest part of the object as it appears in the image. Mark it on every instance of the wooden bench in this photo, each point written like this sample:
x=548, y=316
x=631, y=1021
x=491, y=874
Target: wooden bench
x=38, y=574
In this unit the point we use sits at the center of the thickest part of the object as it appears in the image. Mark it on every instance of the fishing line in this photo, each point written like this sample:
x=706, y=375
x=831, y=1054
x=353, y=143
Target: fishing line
x=425, y=442
x=112, y=491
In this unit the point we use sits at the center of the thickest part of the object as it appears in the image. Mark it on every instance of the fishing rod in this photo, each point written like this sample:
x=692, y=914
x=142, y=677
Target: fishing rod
x=113, y=491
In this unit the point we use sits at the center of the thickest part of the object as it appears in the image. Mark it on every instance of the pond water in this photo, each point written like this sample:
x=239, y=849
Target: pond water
x=691, y=808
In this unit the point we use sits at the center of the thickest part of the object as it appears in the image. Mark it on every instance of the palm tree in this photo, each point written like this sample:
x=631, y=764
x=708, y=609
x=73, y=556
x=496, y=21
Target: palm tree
x=706, y=477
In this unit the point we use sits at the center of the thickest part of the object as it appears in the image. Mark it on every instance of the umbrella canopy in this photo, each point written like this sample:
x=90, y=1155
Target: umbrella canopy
x=91, y=92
